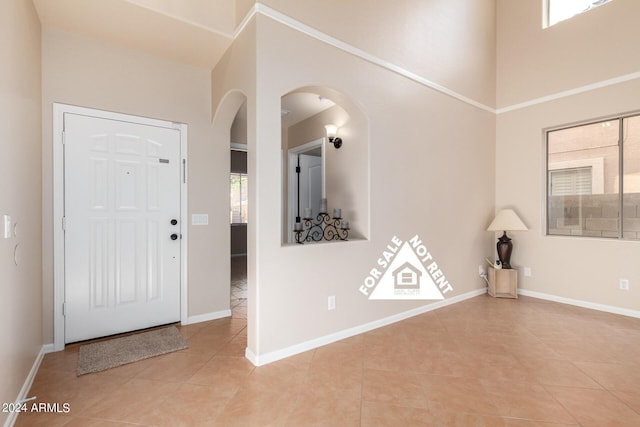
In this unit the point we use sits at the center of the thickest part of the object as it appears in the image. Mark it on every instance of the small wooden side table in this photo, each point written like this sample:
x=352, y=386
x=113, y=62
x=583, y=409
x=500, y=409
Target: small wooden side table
x=503, y=283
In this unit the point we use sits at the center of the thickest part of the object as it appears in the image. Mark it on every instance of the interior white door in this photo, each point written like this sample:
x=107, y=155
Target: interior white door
x=122, y=226
x=310, y=183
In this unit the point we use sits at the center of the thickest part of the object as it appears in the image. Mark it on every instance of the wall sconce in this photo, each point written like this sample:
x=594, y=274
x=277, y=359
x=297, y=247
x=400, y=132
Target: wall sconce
x=332, y=131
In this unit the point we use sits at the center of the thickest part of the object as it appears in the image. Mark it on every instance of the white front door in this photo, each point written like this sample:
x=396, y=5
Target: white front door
x=122, y=226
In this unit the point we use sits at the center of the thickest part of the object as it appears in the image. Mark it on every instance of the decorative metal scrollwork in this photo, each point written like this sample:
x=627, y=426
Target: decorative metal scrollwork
x=323, y=228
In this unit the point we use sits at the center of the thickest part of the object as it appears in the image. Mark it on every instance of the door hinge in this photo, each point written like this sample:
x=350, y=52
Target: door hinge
x=64, y=223
x=64, y=309
x=184, y=171
x=298, y=169
x=63, y=137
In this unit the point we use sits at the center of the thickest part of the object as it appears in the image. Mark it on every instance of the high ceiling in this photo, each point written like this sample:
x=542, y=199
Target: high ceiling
x=193, y=33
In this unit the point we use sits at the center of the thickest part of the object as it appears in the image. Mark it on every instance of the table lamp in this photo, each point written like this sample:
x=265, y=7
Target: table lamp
x=506, y=220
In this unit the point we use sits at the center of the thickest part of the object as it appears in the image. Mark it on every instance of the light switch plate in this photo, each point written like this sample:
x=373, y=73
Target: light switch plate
x=7, y=226
x=199, y=219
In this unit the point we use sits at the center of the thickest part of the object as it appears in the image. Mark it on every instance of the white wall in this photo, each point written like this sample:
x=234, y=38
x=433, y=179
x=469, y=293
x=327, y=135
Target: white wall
x=431, y=163
x=94, y=74
x=20, y=196
x=592, y=47
x=588, y=49
x=450, y=42
x=233, y=84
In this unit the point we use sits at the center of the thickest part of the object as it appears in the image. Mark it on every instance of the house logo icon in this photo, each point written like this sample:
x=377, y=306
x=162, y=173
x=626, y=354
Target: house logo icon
x=406, y=270
x=407, y=277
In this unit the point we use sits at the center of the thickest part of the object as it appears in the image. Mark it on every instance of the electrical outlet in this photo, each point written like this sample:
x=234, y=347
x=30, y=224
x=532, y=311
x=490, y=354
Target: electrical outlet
x=527, y=272
x=331, y=302
x=624, y=284
x=482, y=271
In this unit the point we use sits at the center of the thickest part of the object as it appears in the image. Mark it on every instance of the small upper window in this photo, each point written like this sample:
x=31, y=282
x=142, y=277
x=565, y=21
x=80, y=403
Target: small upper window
x=559, y=10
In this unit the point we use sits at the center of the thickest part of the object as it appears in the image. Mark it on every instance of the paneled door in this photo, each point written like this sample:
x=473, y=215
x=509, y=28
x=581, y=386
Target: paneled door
x=121, y=226
x=310, y=183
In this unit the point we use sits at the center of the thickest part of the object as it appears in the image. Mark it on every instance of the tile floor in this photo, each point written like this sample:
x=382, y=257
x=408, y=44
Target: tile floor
x=483, y=362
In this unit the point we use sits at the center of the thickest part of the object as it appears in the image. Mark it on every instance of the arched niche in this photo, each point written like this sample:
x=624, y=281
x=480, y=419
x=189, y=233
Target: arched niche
x=344, y=171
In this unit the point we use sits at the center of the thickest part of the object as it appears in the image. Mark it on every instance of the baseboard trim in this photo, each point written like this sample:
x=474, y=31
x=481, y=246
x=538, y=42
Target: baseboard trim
x=250, y=355
x=28, y=382
x=580, y=303
x=264, y=359
x=208, y=316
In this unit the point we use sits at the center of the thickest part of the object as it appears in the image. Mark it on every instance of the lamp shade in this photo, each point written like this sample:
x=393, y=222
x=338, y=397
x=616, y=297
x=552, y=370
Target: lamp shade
x=332, y=131
x=507, y=220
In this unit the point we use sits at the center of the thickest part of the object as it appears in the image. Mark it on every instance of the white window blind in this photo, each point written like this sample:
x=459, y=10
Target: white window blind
x=567, y=182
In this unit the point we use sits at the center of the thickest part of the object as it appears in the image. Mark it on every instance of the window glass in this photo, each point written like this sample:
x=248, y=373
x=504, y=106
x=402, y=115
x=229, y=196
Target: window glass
x=559, y=10
x=583, y=180
x=631, y=182
x=238, y=186
x=571, y=181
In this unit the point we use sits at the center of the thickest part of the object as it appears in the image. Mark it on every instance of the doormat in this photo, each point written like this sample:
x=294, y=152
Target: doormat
x=102, y=355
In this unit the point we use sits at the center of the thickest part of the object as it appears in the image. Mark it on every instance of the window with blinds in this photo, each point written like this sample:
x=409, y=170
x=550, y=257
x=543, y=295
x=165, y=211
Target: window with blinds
x=573, y=181
x=593, y=179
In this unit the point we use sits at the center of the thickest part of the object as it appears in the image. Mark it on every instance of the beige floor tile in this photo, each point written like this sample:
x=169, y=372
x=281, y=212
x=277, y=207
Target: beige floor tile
x=613, y=376
x=631, y=399
x=452, y=394
x=93, y=422
x=189, y=405
x=482, y=362
x=461, y=419
x=81, y=393
x=250, y=407
x=237, y=347
x=174, y=367
x=595, y=408
x=526, y=401
x=325, y=406
x=579, y=350
x=378, y=414
x=511, y=422
x=434, y=344
x=340, y=354
x=287, y=374
x=224, y=370
x=557, y=372
x=387, y=357
x=207, y=343
x=396, y=388
x=66, y=360
x=34, y=419
x=130, y=401
x=340, y=379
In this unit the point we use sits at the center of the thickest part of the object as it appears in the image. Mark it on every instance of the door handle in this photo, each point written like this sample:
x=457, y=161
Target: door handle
x=174, y=236
x=174, y=221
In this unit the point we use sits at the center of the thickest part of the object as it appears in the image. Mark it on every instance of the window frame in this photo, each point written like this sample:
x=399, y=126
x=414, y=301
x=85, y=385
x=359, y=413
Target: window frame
x=240, y=176
x=546, y=7
x=620, y=118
